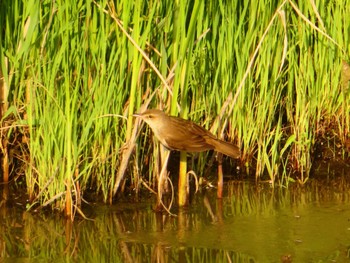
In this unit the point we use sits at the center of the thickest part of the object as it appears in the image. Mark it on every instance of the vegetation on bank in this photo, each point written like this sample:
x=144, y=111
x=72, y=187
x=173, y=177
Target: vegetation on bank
x=270, y=77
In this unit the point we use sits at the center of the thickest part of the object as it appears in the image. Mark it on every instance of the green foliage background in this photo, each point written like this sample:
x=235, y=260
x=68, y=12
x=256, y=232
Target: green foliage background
x=267, y=76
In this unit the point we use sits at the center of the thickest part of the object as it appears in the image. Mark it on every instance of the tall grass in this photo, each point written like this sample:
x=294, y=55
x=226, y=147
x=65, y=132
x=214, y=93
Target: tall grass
x=265, y=76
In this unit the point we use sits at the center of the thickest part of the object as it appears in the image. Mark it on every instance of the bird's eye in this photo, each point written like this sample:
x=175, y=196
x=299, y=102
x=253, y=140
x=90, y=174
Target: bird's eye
x=150, y=116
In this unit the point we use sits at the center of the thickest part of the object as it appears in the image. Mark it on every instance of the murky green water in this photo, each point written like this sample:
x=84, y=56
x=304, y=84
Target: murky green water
x=253, y=223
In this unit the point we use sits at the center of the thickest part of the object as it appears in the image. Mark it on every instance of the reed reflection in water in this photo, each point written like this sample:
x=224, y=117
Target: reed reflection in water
x=252, y=223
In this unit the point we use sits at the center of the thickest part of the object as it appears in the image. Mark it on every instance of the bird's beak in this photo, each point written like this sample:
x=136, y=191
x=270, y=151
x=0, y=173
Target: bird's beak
x=136, y=114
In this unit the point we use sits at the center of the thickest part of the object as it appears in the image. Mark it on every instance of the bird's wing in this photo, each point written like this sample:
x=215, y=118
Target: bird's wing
x=188, y=137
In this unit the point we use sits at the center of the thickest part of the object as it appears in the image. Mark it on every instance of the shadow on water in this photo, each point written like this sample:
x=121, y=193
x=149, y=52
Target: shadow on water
x=252, y=223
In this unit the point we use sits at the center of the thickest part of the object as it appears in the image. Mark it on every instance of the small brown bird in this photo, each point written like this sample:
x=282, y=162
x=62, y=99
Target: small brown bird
x=184, y=135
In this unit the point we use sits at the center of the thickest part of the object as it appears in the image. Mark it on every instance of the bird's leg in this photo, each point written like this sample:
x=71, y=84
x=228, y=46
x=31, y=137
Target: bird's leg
x=162, y=179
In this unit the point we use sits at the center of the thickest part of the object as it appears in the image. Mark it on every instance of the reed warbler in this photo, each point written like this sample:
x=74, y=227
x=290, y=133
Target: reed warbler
x=184, y=135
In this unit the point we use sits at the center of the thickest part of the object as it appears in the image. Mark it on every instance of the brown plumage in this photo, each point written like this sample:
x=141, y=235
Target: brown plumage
x=184, y=135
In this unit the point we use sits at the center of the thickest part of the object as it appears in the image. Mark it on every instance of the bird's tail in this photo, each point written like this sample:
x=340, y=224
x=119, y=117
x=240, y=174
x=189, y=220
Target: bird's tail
x=226, y=148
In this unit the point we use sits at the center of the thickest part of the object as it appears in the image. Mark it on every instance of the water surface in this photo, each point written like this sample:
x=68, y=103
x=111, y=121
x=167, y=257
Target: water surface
x=252, y=223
